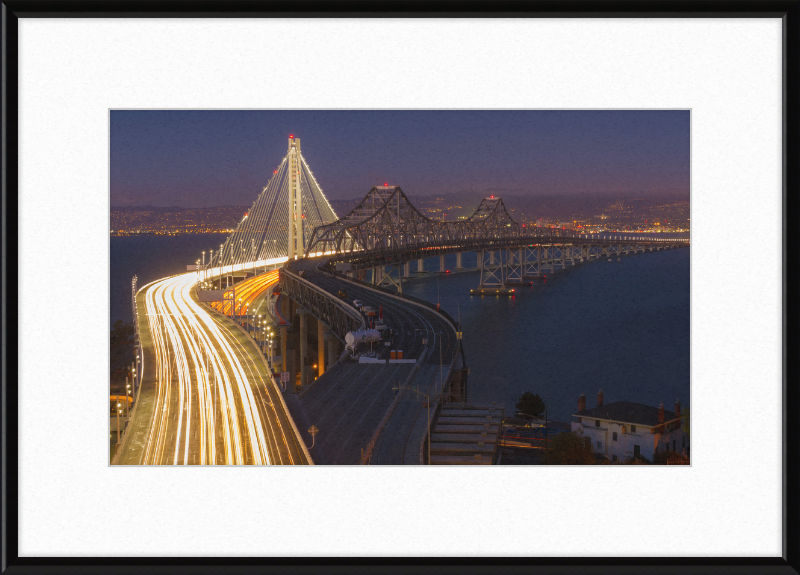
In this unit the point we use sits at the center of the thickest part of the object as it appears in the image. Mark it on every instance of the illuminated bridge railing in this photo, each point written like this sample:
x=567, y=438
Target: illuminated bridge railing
x=393, y=255
x=339, y=316
x=393, y=293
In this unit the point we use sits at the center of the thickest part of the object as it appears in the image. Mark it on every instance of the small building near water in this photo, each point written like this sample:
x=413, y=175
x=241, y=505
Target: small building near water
x=624, y=429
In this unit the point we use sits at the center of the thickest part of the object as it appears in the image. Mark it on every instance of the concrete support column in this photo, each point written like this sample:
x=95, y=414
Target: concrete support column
x=333, y=348
x=458, y=261
x=377, y=275
x=407, y=269
x=420, y=265
x=303, y=346
x=283, y=348
x=320, y=347
x=441, y=263
x=289, y=363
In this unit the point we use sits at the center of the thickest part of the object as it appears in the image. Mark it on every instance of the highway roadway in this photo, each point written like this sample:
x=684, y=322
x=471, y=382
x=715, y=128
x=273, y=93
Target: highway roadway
x=207, y=398
x=348, y=402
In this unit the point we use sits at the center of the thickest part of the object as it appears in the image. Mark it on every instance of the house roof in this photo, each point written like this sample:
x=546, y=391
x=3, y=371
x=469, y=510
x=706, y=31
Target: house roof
x=628, y=412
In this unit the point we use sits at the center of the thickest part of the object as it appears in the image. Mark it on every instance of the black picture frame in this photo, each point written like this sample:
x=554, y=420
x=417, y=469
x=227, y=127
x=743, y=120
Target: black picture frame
x=788, y=10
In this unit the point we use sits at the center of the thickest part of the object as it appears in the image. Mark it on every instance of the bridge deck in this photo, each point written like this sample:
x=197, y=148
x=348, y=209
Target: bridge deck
x=283, y=445
x=348, y=402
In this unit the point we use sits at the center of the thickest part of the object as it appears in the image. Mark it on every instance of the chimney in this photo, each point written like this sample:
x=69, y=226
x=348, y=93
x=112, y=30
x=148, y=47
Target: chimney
x=677, y=408
x=582, y=403
x=600, y=398
x=661, y=413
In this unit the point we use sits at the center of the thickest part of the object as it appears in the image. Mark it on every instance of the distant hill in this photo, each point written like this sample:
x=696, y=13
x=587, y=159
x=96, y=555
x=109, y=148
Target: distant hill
x=170, y=208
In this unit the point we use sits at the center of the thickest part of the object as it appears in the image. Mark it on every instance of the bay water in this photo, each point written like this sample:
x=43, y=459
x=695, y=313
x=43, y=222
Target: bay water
x=620, y=327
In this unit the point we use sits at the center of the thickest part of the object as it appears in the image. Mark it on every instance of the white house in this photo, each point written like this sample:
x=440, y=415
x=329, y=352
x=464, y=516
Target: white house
x=622, y=429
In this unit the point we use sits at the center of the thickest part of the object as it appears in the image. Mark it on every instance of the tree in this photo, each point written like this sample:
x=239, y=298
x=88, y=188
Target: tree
x=121, y=332
x=530, y=405
x=570, y=449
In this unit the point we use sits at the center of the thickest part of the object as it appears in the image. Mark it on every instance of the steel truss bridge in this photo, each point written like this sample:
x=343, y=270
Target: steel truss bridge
x=385, y=233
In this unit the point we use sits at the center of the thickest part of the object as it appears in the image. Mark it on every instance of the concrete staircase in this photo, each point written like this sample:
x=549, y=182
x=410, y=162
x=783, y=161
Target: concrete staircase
x=466, y=434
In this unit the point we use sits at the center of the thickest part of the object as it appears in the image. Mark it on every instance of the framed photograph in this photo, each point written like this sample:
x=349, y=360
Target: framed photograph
x=355, y=258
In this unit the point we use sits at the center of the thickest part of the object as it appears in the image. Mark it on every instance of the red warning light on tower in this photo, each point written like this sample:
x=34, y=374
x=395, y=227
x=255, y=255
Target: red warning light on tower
x=385, y=183
x=291, y=135
x=492, y=195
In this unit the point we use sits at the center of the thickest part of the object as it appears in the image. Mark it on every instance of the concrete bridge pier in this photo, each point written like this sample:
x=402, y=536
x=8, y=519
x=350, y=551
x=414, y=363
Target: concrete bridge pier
x=283, y=348
x=441, y=263
x=333, y=348
x=303, y=347
x=459, y=264
x=377, y=276
x=320, y=347
x=407, y=269
x=289, y=356
x=420, y=265
x=286, y=311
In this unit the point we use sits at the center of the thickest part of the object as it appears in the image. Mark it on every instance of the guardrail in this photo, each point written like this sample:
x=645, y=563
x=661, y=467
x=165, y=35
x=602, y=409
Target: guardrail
x=420, y=301
x=338, y=316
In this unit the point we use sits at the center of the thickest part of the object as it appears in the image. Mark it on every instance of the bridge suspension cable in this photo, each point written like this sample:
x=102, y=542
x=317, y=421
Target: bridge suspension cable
x=291, y=205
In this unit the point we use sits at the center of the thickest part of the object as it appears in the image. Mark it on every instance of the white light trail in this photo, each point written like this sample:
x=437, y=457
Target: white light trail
x=214, y=418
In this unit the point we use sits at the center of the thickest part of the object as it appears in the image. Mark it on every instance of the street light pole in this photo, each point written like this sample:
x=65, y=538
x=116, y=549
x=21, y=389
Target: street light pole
x=118, y=422
x=441, y=368
x=428, y=404
x=127, y=404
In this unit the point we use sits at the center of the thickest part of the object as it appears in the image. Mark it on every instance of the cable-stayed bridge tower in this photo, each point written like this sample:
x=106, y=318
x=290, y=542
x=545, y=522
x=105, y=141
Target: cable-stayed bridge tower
x=281, y=220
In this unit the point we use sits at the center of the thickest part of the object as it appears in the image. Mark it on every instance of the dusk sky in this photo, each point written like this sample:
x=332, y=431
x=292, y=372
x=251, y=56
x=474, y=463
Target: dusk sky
x=217, y=158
